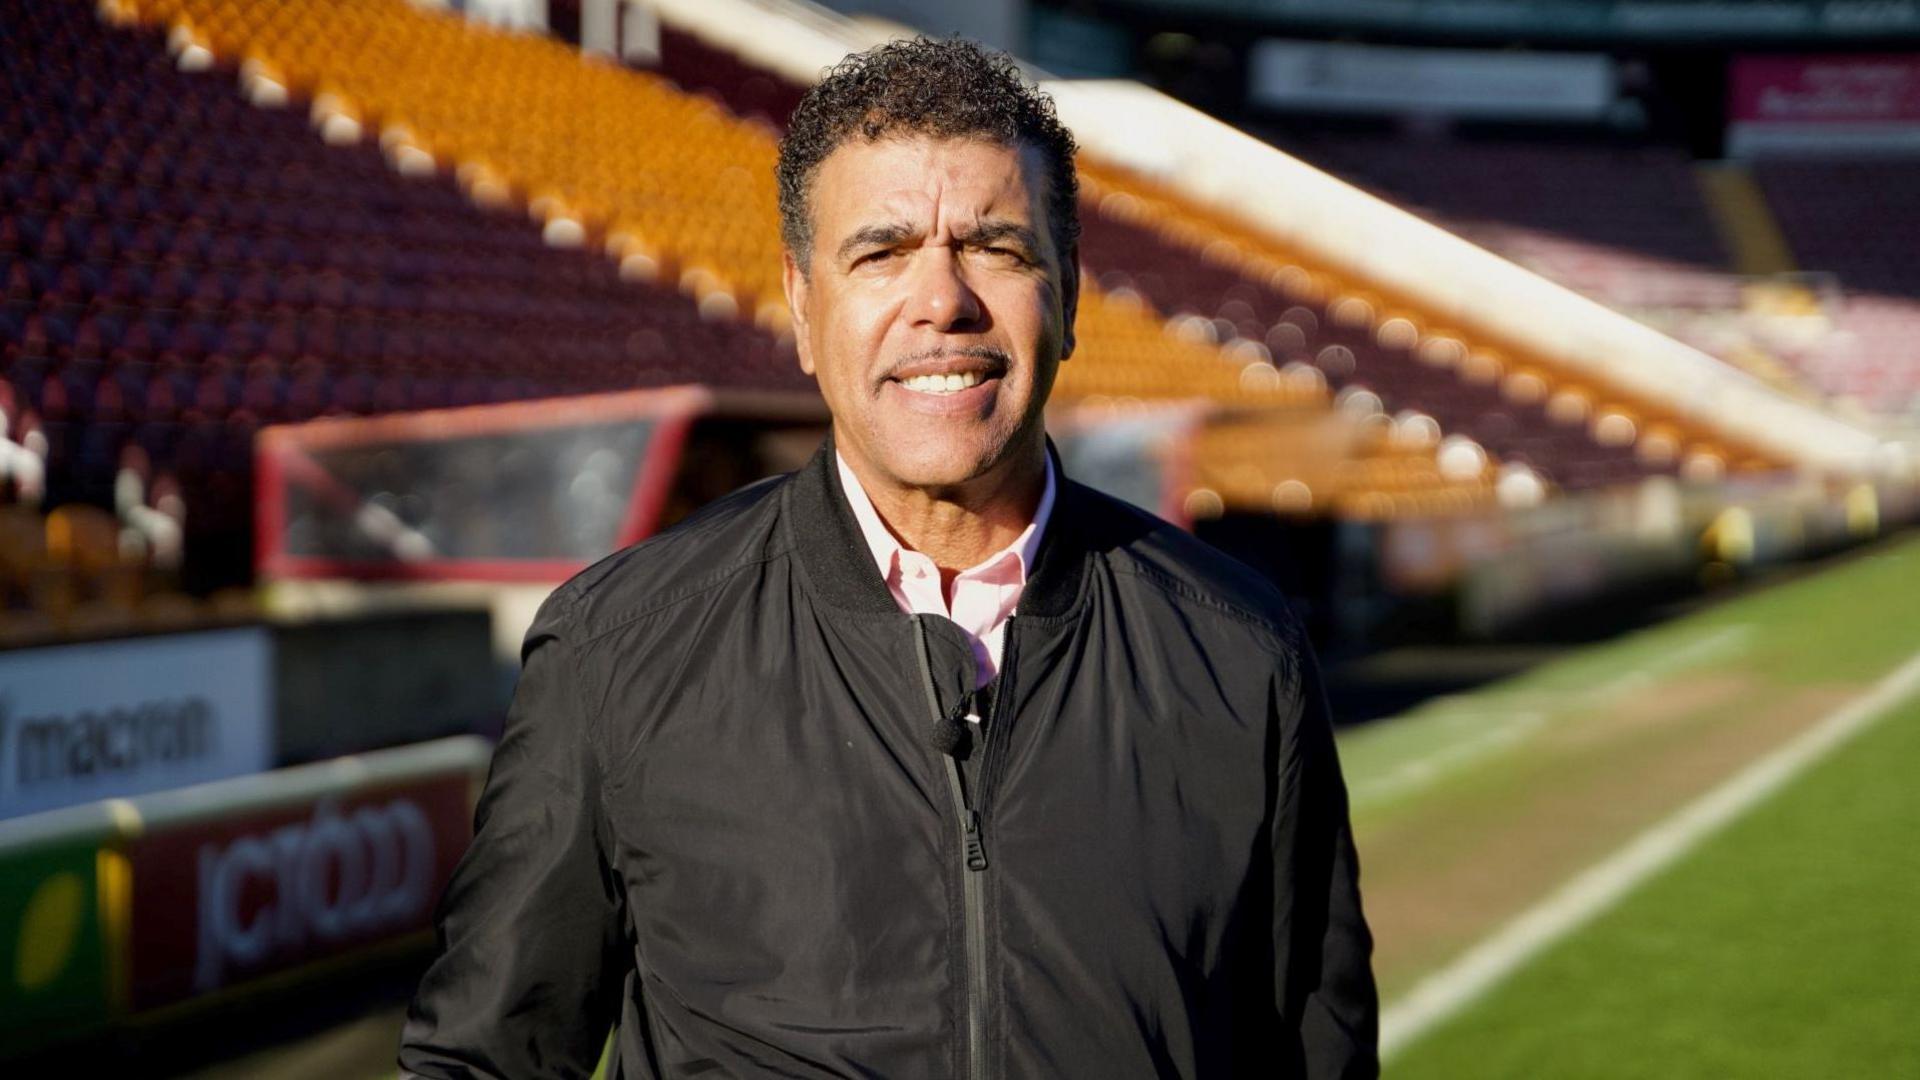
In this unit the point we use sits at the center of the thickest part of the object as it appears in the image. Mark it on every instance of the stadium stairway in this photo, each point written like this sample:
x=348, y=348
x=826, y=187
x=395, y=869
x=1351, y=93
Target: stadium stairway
x=1746, y=224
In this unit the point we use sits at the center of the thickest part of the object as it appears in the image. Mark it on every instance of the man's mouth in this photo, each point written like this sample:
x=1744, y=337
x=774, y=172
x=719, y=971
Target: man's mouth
x=950, y=372
x=942, y=384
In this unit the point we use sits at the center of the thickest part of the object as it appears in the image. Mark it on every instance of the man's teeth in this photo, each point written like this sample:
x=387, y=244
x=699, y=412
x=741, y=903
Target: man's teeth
x=941, y=384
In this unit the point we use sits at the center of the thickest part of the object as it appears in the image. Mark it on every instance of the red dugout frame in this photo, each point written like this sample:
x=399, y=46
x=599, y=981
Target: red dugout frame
x=284, y=455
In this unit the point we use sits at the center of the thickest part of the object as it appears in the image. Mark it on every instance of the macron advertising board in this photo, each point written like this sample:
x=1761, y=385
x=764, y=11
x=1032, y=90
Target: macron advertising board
x=111, y=719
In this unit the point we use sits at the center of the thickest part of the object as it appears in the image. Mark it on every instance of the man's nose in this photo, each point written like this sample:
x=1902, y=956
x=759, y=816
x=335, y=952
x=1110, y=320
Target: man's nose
x=940, y=298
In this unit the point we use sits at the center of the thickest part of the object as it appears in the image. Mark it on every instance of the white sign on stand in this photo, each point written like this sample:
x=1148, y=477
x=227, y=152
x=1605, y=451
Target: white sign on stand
x=108, y=719
x=1383, y=79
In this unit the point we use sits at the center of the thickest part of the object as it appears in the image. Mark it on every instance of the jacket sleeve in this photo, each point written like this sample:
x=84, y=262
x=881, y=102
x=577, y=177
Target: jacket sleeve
x=1323, y=975
x=531, y=929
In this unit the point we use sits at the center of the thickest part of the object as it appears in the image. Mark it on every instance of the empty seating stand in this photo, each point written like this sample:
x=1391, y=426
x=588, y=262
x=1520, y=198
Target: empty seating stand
x=1589, y=214
x=1861, y=221
x=184, y=266
x=1296, y=329
x=672, y=184
x=180, y=267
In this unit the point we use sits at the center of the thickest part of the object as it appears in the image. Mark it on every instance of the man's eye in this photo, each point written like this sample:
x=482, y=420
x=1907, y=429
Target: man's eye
x=876, y=256
x=1006, y=254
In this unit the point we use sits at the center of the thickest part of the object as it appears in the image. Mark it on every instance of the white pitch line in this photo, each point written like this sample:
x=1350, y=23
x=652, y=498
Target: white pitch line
x=1442, y=995
x=1450, y=758
x=1710, y=647
x=1500, y=725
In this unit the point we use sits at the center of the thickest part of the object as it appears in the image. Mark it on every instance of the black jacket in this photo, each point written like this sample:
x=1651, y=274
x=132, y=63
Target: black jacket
x=721, y=818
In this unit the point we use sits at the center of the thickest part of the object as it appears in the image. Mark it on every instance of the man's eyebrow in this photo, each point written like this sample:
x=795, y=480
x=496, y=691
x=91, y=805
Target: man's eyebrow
x=988, y=232
x=869, y=236
x=891, y=234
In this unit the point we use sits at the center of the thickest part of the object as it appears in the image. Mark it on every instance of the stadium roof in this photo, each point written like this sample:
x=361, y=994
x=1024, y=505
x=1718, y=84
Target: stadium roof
x=1663, y=22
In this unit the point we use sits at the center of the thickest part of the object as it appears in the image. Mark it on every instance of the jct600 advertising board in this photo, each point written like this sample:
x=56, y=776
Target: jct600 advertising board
x=222, y=901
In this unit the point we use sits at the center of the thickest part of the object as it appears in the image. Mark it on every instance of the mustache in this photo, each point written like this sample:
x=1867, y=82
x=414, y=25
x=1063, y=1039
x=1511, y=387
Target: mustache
x=996, y=356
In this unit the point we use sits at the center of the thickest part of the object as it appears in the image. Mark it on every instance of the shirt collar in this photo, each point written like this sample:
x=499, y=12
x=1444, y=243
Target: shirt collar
x=886, y=549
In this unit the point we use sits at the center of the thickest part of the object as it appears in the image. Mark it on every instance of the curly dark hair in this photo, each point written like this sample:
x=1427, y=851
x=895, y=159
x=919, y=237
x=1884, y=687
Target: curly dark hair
x=947, y=88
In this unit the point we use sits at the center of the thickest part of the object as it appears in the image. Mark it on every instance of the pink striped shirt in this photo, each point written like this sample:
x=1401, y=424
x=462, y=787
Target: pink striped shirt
x=984, y=595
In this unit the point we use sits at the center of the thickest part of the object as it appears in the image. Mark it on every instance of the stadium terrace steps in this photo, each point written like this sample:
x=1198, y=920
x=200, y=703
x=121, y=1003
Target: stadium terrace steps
x=1746, y=223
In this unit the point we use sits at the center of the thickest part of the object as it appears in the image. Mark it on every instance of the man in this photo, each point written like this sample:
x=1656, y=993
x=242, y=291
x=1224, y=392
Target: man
x=923, y=761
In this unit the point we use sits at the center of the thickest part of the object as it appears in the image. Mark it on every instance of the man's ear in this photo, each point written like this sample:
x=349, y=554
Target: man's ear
x=793, y=280
x=1069, y=298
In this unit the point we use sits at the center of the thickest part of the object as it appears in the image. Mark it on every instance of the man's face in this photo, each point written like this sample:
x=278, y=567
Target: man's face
x=935, y=310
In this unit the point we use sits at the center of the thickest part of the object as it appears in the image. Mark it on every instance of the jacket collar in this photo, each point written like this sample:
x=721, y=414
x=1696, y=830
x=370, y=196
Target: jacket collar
x=830, y=545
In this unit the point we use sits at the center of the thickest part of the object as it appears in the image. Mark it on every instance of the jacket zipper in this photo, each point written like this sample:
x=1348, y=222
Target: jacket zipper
x=973, y=865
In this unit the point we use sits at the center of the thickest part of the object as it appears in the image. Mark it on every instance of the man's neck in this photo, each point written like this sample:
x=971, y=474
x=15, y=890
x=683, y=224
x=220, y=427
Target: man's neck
x=960, y=527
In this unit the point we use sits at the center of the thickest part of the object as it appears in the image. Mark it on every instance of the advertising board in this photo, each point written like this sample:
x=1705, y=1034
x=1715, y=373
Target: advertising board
x=1346, y=78
x=53, y=952
x=1858, y=103
x=221, y=899
x=417, y=675
x=1643, y=22
x=118, y=718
